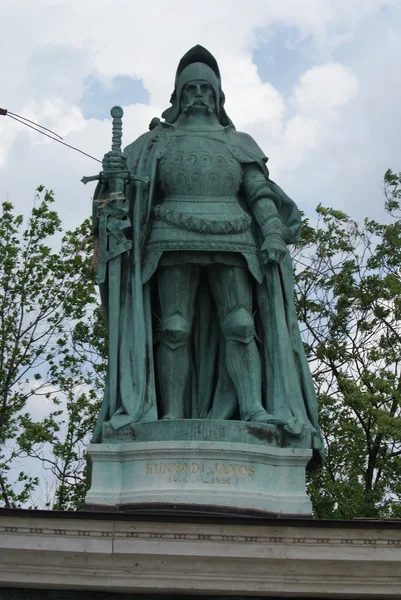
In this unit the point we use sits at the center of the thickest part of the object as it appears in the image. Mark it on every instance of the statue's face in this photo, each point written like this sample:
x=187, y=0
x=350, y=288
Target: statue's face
x=198, y=95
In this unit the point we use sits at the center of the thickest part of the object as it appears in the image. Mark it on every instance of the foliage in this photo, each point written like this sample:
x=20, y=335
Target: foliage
x=348, y=291
x=48, y=385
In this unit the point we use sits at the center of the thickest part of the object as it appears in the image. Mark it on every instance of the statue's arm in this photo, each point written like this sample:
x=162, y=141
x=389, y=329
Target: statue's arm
x=270, y=206
x=264, y=204
x=260, y=196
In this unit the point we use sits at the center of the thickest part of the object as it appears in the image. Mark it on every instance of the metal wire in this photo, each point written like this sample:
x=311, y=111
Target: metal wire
x=33, y=123
x=53, y=138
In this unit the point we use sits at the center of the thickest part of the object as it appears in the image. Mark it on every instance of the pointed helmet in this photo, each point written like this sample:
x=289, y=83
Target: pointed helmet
x=197, y=63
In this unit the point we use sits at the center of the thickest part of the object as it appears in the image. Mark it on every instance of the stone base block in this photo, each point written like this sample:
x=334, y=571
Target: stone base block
x=199, y=476
x=204, y=430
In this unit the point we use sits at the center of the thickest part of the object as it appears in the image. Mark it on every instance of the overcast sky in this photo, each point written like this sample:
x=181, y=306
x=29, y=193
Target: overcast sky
x=316, y=82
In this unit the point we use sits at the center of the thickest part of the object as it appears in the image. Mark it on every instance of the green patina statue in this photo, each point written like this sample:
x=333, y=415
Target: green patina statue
x=195, y=276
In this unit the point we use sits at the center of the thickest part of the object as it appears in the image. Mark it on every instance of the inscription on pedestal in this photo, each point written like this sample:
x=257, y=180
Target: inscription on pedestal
x=200, y=475
x=203, y=472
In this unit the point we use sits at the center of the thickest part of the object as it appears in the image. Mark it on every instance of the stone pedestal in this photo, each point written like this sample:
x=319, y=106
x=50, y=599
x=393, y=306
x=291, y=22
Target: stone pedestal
x=190, y=472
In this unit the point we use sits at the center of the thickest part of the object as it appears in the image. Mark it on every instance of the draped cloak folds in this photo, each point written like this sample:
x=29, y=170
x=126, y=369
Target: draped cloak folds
x=287, y=386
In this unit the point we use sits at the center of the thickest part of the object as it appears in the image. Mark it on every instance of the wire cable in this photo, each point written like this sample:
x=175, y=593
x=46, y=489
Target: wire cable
x=52, y=138
x=9, y=113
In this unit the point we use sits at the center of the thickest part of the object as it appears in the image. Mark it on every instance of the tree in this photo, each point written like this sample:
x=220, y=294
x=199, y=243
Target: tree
x=348, y=292
x=45, y=296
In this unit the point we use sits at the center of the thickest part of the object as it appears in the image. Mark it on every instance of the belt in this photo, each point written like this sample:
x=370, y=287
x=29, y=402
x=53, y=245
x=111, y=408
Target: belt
x=230, y=224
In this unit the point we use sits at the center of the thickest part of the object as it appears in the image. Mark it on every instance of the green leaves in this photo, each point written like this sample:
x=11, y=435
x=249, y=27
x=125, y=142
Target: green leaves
x=48, y=388
x=348, y=297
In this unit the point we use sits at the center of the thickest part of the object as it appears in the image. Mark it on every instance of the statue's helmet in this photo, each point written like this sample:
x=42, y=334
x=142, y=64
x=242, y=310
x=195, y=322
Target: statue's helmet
x=197, y=64
x=198, y=71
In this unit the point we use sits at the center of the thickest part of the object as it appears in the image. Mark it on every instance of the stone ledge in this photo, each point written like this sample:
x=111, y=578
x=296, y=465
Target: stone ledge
x=144, y=556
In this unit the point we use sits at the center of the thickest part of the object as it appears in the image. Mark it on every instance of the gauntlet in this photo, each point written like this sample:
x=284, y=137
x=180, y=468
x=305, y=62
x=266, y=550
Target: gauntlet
x=273, y=248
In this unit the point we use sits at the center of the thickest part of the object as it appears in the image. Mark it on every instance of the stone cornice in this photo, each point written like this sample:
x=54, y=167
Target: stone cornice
x=217, y=558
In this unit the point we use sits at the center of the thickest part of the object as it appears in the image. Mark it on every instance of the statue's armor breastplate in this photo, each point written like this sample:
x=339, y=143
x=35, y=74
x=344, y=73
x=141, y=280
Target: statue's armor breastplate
x=198, y=167
x=199, y=206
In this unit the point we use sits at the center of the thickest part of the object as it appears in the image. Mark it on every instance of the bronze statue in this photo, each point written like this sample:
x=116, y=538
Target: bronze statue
x=195, y=274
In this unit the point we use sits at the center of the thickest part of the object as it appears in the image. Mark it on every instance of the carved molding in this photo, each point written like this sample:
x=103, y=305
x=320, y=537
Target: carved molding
x=277, y=560
x=153, y=534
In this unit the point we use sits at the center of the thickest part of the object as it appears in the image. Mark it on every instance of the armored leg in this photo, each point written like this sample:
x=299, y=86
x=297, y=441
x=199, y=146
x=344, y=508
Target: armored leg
x=177, y=290
x=232, y=291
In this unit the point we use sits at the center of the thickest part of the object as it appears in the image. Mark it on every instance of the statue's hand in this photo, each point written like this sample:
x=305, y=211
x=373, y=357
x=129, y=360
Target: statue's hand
x=114, y=161
x=273, y=248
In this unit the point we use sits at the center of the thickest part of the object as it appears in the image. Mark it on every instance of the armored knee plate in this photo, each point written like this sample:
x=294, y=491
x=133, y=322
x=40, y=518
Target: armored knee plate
x=175, y=331
x=239, y=326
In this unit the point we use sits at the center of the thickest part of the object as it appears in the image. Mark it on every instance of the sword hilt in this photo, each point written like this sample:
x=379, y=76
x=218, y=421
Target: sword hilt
x=86, y=180
x=117, y=113
x=116, y=140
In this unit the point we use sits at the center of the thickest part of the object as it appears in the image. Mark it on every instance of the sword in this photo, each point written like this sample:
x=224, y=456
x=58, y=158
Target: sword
x=113, y=220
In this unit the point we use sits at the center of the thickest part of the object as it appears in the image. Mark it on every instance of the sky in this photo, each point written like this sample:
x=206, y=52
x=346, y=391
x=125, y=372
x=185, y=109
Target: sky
x=315, y=82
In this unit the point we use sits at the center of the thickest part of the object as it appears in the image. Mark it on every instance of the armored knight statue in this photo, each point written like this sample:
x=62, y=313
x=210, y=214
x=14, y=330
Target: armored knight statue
x=201, y=305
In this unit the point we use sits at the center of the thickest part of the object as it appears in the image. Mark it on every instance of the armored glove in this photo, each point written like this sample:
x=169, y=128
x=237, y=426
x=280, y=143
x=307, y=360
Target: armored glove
x=114, y=161
x=273, y=248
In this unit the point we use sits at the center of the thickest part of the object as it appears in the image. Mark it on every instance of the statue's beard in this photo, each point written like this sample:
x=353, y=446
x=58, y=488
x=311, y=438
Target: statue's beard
x=198, y=105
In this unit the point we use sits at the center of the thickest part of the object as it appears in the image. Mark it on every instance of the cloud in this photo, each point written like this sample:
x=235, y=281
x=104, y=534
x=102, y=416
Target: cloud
x=9, y=134
x=316, y=104
x=319, y=128
x=99, y=96
x=324, y=88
